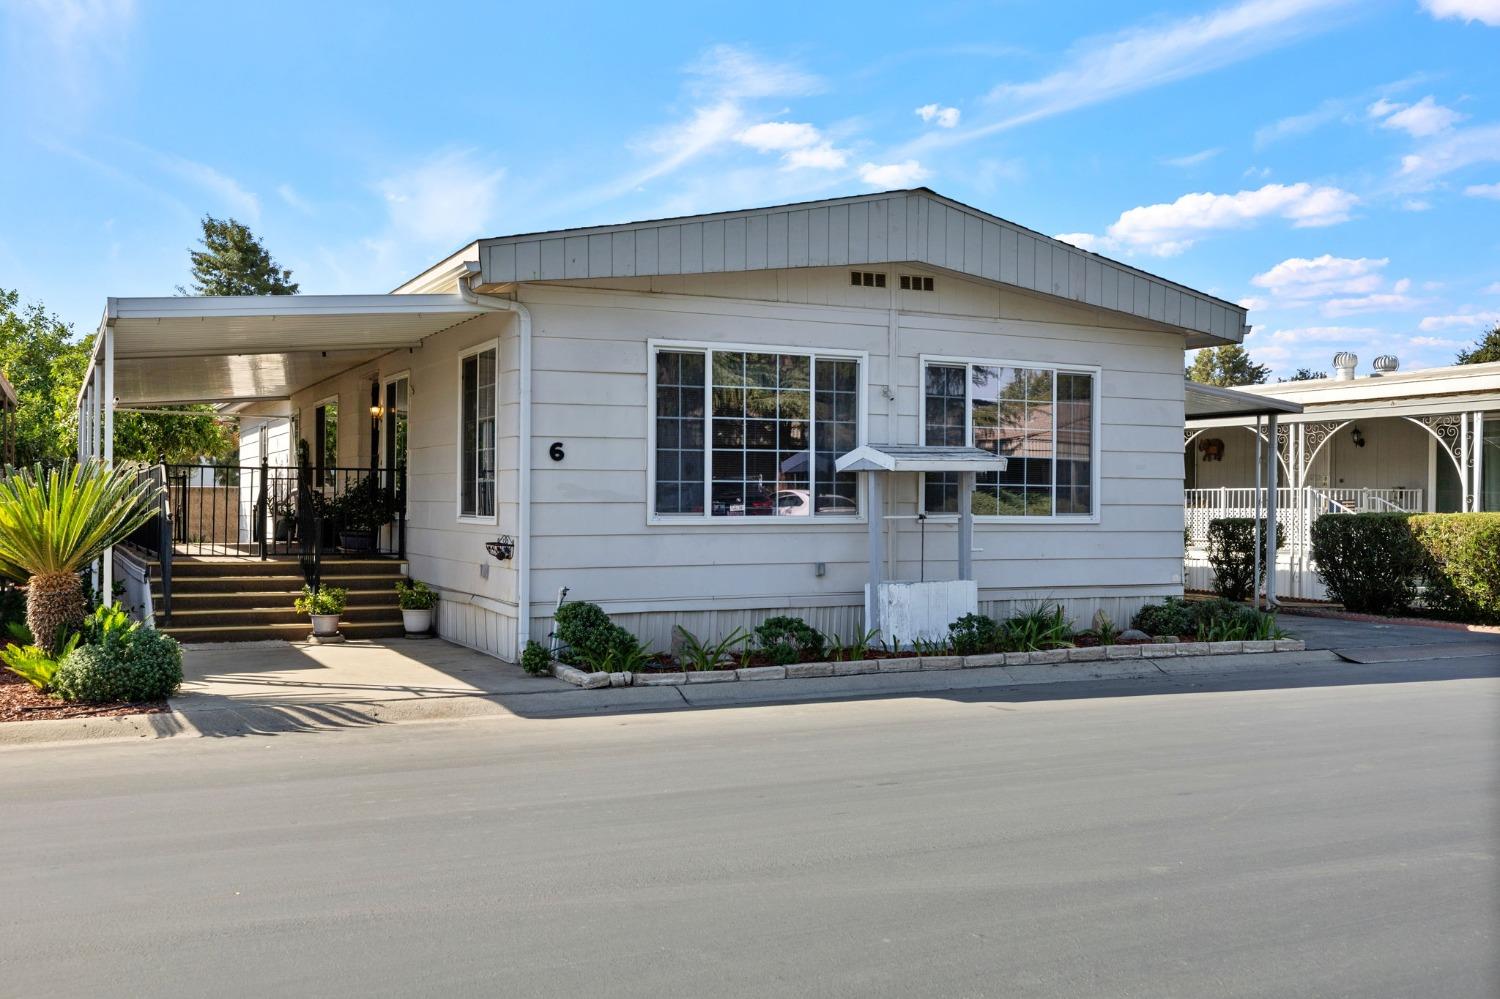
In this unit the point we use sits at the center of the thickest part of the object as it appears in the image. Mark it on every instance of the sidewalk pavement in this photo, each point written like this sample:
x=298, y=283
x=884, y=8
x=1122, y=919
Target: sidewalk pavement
x=271, y=688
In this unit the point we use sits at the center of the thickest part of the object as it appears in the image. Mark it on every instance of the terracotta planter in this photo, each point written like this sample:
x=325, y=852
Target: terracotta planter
x=417, y=622
x=325, y=625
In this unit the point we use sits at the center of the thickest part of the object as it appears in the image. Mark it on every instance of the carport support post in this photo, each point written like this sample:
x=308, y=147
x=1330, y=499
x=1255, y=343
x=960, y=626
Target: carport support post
x=876, y=517
x=107, y=403
x=1479, y=461
x=1272, y=532
x=966, y=525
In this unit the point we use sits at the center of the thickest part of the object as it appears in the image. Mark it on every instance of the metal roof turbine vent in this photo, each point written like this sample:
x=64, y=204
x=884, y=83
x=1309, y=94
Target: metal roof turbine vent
x=1387, y=364
x=1344, y=364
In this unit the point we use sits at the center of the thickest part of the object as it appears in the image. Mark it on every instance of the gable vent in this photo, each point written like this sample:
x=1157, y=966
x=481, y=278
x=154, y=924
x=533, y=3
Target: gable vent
x=915, y=282
x=867, y=279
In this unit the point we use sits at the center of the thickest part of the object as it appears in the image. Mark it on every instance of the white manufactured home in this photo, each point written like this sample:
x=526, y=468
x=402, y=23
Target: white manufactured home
x=1424, y=441
x=708, y=420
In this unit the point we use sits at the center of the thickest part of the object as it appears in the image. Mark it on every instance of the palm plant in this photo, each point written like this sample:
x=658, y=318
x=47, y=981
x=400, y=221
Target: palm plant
x=54, y=522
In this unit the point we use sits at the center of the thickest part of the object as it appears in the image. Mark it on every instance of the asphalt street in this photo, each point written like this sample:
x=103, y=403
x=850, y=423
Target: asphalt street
x=1251, y=835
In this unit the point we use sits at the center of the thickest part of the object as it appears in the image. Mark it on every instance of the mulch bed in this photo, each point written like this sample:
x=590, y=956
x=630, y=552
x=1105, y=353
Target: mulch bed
x=20, y=701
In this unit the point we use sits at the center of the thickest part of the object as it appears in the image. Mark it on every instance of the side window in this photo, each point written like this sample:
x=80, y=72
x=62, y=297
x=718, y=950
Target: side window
x=325, y=441
x=476, y=445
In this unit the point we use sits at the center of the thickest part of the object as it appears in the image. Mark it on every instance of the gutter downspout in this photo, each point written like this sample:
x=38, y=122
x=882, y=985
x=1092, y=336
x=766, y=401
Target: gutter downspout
x=523, y=452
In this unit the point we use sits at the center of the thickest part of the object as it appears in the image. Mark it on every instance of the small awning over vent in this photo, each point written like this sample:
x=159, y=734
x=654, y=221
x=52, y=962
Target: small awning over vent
x=919, y=458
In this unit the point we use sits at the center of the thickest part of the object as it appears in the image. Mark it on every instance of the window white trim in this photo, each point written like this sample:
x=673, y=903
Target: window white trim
x=458, y=440
x=1096, y=441
x=706, y=518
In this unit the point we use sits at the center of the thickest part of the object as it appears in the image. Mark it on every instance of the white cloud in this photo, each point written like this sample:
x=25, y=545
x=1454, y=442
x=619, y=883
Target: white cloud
x=1483, y=11
x=1193, y=159
x=289, y=194
x=1419, y=120
x=1299, y=124
x=1303, y=278
x=442, y=202
x=731, y=73
x=1492, y=289
x=774, y=136
x=889, y=176
x=1459, y=321
x=1416, y=205
x=61, y=53
x=1454, y=150
x=1397, y=301
x=1167, y=229
x=1324, y=334
x=231, y=195
x=823, y=156
x=1436, y=341
x=1082, y=240
x=1139, y=58
x=1483, y=191
x=941, y=116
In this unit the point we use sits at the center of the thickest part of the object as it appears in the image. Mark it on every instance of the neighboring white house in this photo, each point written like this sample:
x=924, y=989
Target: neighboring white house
x=655, y=412
x=1417, y=441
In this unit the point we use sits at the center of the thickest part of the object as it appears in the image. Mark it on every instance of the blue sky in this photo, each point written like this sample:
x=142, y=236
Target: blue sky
x=1334, y=165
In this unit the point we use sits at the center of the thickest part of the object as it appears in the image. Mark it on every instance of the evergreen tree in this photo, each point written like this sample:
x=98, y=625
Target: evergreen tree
x=1304, y=375
x=1226, y=366
x=234, y=262
x=1486, y=349
x=45, y=366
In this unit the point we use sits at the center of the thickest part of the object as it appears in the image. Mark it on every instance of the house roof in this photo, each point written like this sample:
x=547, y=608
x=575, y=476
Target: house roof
x=1422, y=382
x=916, y=226
x=919, y=458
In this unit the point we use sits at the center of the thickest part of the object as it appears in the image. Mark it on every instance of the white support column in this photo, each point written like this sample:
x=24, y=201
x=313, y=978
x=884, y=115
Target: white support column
x=1272, y=481
x=966, y=525
x=107, y=405
x=1465, y=503
x=875, y=497
x=1260, y=458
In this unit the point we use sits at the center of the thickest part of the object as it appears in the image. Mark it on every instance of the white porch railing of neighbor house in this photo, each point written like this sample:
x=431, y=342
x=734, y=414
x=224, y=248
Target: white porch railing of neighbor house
x=1296, y=511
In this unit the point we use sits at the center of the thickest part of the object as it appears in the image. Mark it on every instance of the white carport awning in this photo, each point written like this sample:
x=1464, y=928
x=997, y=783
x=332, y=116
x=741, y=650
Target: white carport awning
x=919, y=458
x=1206, y=402
x=240, y=349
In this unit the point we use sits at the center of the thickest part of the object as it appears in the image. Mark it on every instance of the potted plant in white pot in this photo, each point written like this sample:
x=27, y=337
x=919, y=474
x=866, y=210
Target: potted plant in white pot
x=417, y=600
x=360, y=512
x=323, y=605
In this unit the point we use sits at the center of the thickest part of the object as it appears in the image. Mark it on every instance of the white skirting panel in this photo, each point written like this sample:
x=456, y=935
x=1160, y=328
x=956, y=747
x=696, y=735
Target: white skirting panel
x=1296, y=577
x=477, y=623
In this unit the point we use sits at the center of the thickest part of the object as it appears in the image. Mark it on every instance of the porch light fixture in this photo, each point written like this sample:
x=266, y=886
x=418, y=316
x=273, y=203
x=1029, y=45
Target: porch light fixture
x=1357, y=437
x=502, y=548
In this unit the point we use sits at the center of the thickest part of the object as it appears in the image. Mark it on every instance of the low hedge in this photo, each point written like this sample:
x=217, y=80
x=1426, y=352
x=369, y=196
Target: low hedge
x=1385, y=563
x=1231, y=552
x=1462, y=570
x=138, y=666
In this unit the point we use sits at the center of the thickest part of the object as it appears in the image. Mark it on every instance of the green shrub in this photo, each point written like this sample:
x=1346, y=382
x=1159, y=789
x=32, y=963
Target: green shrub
x=1369, y=562
x=592, y=640
x=1221, y=620
x=32, y=663
x=1174, y=616
x=787, y=640
x=697, y=655
x=1044, y=626
x=1231, y=552
x=1461, y=568
x=106, y=624
x=535, y=659
x=974, y=634
x=413, y=594
x=324, y=600
x=136, y=666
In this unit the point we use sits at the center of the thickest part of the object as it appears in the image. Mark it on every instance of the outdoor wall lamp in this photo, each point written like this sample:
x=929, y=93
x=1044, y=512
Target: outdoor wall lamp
x=1357, y=437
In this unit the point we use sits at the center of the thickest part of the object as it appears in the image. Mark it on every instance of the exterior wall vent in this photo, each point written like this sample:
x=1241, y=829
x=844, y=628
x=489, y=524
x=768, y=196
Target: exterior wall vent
x=867, y=279
x=915, y=282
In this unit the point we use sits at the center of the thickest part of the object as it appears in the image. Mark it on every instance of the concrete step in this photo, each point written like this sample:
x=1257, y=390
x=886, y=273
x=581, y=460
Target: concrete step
x=260, y=599
x=287, y=632
x=185, y=568
x=286, y=584
x=273, y=614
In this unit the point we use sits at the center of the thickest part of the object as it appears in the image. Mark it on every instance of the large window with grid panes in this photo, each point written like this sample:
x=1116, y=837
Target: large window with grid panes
x=753, y=432
x=1043, y=419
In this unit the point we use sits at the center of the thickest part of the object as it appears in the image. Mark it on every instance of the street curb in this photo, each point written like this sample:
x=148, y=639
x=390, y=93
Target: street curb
x=219, y=717
x=157, y=725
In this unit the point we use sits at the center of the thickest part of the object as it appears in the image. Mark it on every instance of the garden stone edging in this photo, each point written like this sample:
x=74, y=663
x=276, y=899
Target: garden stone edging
x=913, y=664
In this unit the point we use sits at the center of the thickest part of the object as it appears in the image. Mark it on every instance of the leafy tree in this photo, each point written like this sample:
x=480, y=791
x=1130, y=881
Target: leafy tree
x=1226, y=366
x=177, y=435
x=1486, y=349
x=1304, y=375
x=234, y=262
x=45, y=365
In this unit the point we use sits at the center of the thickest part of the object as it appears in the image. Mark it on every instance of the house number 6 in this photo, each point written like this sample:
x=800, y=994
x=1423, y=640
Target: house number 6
x=555, y=452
